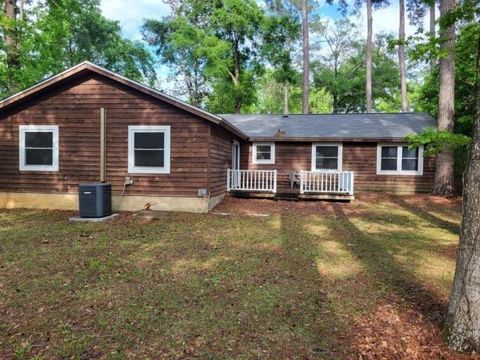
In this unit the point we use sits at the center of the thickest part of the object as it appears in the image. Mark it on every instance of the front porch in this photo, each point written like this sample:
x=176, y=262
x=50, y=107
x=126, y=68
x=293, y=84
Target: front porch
x=291, y=185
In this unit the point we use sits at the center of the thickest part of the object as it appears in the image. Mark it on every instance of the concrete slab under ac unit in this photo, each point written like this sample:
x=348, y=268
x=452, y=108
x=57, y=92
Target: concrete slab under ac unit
x=100, y=219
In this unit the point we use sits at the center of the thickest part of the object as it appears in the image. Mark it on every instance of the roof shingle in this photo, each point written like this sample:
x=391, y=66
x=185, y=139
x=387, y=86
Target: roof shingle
x=332, y=126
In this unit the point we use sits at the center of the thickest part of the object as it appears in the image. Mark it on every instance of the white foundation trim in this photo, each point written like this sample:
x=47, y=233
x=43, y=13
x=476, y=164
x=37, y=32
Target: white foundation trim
x=62, y=201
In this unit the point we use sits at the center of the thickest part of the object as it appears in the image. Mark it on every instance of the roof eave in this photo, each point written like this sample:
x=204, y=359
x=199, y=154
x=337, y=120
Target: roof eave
x=88, y=66
x=325, y=139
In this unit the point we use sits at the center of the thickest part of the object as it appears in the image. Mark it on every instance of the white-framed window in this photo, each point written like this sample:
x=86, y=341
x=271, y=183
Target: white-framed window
x=327, y=157
x=398, y=159
x=263, y=153
x=38, y=147
x=149, y=149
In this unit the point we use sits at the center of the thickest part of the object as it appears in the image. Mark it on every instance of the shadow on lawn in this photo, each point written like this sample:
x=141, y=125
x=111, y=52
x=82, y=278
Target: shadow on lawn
x=327, y=331
x=382, y=266
x=233, y=286
x=191, y=286
x=450, y=226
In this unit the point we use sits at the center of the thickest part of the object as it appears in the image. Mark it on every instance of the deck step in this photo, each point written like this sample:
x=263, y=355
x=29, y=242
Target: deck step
x=287, y=196
x=291, y=196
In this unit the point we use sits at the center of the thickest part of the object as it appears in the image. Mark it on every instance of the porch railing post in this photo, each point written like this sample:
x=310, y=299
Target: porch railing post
x=351, y=183
x=301, y=182
x=274, y=181
x=229, y=186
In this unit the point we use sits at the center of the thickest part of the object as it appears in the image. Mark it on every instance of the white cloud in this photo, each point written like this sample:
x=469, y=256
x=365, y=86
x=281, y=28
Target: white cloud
x=385, y=20
x=131, y=14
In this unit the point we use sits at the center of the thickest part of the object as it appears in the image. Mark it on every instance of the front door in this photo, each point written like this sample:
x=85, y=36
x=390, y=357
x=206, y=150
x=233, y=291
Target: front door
x=235, y=164
x=235, y=156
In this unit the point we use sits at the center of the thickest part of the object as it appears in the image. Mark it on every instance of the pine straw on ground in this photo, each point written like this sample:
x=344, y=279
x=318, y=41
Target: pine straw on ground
x=397, y=328
x=258, y=279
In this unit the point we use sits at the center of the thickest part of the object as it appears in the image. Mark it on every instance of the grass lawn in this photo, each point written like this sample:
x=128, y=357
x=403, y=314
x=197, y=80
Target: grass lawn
x=312, y=280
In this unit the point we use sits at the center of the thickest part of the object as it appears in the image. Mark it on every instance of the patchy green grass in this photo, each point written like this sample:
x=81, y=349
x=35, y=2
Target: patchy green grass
x=295, y=284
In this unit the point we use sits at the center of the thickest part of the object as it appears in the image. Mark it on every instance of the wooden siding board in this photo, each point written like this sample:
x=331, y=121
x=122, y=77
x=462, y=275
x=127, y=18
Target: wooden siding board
x=361, y=158
x=220, y=159
x=76, y=109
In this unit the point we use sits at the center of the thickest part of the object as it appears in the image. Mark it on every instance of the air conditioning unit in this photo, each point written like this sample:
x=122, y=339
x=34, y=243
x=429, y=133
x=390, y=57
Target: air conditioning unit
x=95, y=200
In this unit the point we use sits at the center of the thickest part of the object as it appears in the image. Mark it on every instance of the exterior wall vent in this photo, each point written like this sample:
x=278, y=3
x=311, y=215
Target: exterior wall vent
x=95, y=200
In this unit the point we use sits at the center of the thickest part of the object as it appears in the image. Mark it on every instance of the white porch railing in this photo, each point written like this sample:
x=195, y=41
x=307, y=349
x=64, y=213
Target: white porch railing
x=340, y=182
x=252, y=180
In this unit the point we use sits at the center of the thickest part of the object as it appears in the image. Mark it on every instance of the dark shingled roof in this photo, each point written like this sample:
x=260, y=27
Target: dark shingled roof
x=332, y=126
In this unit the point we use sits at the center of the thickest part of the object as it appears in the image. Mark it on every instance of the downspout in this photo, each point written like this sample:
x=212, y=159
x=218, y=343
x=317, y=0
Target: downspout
x=103, y=145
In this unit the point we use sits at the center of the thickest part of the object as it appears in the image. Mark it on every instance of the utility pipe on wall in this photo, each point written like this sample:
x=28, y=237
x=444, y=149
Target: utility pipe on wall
x=103, y=145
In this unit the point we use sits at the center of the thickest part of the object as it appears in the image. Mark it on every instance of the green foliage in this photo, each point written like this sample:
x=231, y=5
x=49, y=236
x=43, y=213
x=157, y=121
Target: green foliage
x=464, y=81
x=279, y=34
x=56, y=35
x=270, y=96
x=436, y=141
x=228, y=97
x=180, y=46
x=220, y=48
x=22, y=350
x=340, y=71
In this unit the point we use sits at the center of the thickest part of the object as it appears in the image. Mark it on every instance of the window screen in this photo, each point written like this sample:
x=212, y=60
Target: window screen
x=149, y=148
x=326, y=157
x=409, y=159
x=264, y=152
x=38, y=148
x=389, y=158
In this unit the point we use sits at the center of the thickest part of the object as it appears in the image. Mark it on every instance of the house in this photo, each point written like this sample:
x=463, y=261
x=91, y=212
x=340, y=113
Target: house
x=173, y=156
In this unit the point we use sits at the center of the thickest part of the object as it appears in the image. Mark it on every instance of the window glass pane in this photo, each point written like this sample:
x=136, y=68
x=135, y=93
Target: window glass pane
x=149, y=140
x=263, y=156
x=264, y=152
x=326, y=163
x=406, y=153
x=389, y=151
x=389, y=164
x=263, y=148
x=410, y=164
x=39, y=139
x=327, y=151
x=38, y=157
x=149, y=158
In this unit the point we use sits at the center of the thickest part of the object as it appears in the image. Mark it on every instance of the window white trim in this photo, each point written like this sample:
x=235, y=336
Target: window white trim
x=263, y=161
x=132, y=169
x=340, y=156
x=55, y=147
x=399, y=170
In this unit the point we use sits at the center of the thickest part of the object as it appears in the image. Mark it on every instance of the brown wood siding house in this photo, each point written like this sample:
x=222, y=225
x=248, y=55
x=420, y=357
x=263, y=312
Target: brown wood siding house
x=358, y=157
x=196, y=147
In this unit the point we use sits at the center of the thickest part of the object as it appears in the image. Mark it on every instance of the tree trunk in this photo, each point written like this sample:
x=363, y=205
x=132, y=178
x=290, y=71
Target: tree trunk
x=444, y=181
x=21, y=8
x=401, y=55
x=11, y=44
x=335, y=103
x=463, y=317
x=306, y=56
x=432, y=32
x=236, y=76
x=368, y=61
x=285, y=99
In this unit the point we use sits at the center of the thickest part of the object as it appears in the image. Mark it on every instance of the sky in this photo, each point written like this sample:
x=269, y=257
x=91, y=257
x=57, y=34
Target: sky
x=131, y=18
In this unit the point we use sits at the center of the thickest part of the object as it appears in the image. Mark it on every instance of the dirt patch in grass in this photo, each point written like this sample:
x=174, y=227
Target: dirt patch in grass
x=313, y=280
x=360, y=206
x=398, y=330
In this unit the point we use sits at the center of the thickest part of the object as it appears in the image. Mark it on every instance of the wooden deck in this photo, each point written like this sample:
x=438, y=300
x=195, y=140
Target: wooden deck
x=303, y=185
x=292, y=196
